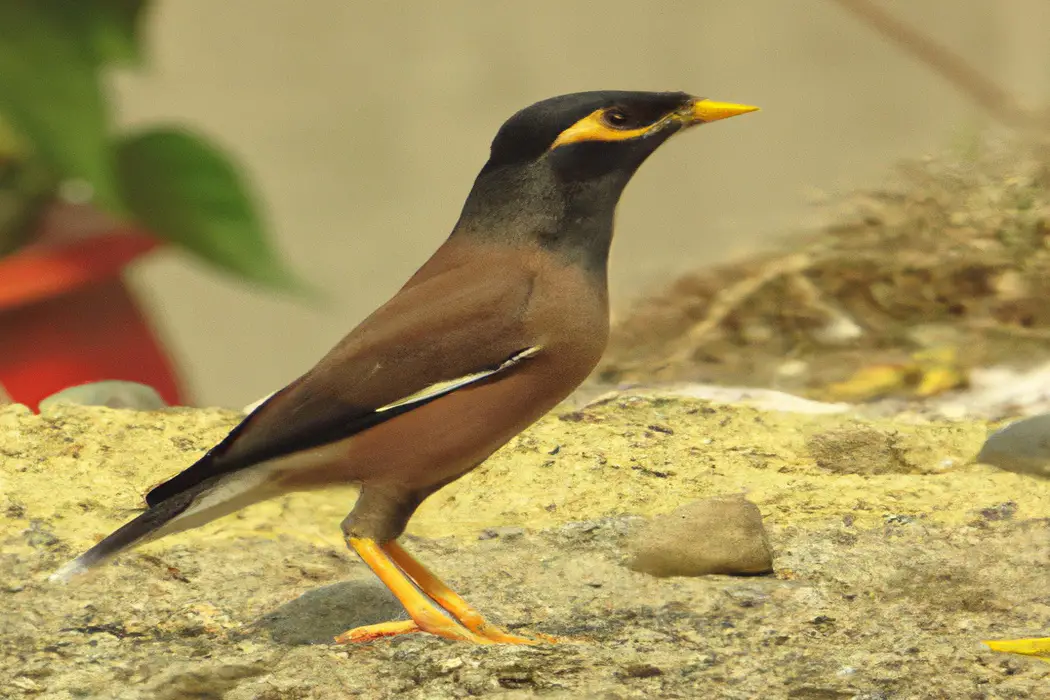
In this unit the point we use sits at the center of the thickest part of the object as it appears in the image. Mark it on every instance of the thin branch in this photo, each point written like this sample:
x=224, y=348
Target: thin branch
x=948, y=64
x=731, y=298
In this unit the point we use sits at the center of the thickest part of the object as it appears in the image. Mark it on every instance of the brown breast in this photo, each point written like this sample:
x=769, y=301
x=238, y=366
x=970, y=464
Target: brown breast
x=567, y=316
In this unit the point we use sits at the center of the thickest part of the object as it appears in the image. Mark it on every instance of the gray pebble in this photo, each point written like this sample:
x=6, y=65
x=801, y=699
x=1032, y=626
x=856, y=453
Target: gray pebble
x=713, y=536
x=111, y=394
x=1022, y=447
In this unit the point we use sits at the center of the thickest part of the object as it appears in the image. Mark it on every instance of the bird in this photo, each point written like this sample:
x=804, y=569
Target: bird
x=501, y=324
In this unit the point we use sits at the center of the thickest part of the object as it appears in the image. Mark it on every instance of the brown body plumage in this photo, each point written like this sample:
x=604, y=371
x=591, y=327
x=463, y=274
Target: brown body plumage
x=546, y=305
x=500, y=325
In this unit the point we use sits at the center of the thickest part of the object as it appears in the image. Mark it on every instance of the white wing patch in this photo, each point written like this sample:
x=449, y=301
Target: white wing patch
x=447, y=387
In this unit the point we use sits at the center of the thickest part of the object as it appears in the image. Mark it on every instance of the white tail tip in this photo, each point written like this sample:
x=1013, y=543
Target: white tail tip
x=67, y=572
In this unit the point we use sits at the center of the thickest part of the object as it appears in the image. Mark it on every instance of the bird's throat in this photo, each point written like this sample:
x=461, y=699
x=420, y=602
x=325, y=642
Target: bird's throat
x=531, y=206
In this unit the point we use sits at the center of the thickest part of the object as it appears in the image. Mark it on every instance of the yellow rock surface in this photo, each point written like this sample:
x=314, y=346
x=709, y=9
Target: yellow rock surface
x=82, y=471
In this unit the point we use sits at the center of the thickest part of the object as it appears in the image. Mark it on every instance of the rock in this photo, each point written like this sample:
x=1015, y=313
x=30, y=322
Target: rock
x=317, y=616
x=1022, y=447
x=111, y=394
x=713, y=536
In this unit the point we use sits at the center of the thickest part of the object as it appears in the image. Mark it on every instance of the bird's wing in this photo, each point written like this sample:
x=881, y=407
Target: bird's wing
x=436, y=336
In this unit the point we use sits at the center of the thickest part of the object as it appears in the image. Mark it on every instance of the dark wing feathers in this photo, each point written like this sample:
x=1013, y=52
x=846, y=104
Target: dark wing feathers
x=455, y=324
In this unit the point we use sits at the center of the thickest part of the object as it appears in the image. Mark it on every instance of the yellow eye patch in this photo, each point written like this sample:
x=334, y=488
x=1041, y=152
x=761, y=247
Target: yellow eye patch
x=594, y=128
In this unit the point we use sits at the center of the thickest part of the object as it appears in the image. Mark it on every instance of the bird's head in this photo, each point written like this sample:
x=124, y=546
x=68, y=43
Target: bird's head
x=589, y=135
x=557, y=168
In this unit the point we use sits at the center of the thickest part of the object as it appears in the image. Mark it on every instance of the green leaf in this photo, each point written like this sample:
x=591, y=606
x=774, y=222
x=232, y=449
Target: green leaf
x=113, y=28
x=109, y=28
x=50, y=94
x=10, y=145
x=187, y=192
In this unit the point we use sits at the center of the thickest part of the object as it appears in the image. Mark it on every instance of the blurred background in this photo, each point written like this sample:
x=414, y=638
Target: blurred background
x=359, y=128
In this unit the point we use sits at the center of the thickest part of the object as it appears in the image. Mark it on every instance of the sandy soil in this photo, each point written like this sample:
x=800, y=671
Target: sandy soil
x=894, y=557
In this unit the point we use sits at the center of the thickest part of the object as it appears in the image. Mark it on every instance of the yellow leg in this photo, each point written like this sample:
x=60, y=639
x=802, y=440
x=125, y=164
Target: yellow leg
x=426, y=616
x=451, y=601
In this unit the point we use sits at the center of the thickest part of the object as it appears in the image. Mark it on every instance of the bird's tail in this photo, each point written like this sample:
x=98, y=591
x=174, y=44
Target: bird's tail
x=192, y=507
x=147, y=526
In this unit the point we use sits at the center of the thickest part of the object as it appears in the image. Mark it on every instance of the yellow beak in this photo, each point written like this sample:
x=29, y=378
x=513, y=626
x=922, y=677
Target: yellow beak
x=703, y=111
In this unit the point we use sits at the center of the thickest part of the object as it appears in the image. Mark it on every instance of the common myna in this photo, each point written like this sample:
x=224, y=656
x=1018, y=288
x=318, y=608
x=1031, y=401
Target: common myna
x=500, y=325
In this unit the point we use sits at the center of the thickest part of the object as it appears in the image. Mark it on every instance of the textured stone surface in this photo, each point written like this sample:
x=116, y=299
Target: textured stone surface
x=861, y=449
x=318, y=615
x=884, y=586
x=713, y=536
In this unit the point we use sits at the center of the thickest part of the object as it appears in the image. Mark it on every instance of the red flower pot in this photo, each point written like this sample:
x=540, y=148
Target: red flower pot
x=67, y=318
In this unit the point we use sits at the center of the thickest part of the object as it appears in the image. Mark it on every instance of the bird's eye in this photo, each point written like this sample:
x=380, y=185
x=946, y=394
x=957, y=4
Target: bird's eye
x=615, y=118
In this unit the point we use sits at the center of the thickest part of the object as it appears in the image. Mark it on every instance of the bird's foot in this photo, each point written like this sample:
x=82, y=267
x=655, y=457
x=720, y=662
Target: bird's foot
x=477, y=624
x=485, y=633
x=501, y=636
x=433, y=606
x=368, y=633
x=498, y=635
x=445, y=628
x=1036, y=648
x=452, y=603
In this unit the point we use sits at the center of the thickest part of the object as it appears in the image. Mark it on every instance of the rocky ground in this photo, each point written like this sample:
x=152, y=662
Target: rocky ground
x=893, y=555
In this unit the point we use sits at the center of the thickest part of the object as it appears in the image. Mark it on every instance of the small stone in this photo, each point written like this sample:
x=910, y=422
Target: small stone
x=1022, y=447
x=713, y=536
x=111, y=394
